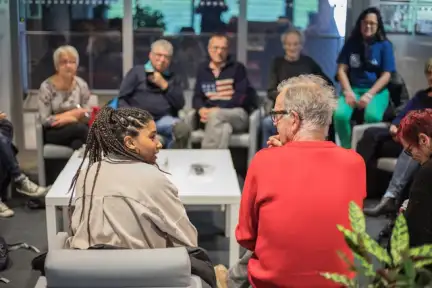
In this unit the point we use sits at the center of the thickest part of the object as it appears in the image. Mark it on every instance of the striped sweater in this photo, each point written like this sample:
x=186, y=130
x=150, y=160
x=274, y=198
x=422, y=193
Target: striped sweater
x=228, y=90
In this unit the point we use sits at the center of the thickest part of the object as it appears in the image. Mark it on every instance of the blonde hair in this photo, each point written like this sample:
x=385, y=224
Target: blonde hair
x=311, y=97
x=65, y=49
x=428, y=66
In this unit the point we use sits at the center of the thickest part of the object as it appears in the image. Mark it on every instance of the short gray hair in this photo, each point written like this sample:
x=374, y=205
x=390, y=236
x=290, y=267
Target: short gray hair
x=65, y=49
x=164, y=44
x=311, y=97
x=292, y=31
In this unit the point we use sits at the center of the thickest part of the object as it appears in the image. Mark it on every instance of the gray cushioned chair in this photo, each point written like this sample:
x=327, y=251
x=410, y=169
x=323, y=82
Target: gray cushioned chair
x=147, y=268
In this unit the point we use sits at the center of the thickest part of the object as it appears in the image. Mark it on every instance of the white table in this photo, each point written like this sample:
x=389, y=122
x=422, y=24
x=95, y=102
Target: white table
x=219, y=187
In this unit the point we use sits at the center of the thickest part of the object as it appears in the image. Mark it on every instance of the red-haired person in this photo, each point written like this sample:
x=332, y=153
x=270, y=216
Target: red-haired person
x=415, y=133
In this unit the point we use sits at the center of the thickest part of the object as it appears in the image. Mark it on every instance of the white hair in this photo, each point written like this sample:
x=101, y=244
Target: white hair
x=164, y=44
x=65, y=49
x=292, y=31
x=311, y=97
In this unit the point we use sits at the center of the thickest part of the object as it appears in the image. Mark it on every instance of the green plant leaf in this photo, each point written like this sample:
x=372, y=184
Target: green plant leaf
x=421, y=251
x=339, y=278
x=399, y=239
x=409, y=271
x=367, y=267
x=344, y=257
x=375, y=249
x=348, y=234
x=422, y=262
x=357, y=218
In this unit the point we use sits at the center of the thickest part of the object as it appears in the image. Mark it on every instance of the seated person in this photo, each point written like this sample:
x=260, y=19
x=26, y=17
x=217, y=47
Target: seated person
x=415, y=134
x=365, y=66
x=291, y=65
x=143, y=212
x=292, y=184
x=154, y=88
x=63, y=102
x=406, y=167
x=10, y=170
x=221, y=96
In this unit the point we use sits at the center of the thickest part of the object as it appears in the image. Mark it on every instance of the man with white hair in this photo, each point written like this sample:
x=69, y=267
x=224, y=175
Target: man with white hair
x=296, y=192
x=156, y=89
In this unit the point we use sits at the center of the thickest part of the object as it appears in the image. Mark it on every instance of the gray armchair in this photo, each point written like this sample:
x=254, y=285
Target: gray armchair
x=123, y=268
x=384, y=163
x=247, y=140
x=51, y=151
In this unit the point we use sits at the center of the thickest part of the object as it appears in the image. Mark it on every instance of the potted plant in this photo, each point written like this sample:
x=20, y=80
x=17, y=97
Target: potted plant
x=402, y=266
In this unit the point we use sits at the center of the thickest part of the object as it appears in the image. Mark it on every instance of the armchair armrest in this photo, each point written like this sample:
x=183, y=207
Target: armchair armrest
x=254, y=123
x=358, y=131
x=40, y=150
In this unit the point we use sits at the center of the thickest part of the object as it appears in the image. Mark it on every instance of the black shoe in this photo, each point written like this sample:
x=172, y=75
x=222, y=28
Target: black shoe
x=36, y=204
x=386, y=206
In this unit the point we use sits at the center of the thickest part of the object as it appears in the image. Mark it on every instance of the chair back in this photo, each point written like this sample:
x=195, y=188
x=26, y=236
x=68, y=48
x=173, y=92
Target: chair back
x=118, y=268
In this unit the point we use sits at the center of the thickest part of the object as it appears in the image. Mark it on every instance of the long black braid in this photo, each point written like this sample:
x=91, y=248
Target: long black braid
x=106, y=137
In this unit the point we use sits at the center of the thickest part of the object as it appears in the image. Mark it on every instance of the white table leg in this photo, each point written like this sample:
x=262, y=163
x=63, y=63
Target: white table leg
x=51, y=220
x=227, y=222
x=234, y=248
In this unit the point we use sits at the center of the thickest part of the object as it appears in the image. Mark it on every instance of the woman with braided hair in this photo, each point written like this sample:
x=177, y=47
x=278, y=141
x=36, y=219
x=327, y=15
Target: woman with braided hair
x=122, y=198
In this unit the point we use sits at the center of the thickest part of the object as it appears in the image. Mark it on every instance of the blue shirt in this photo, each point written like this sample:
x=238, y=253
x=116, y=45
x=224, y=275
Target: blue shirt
x=378, y=58
x=421, y=100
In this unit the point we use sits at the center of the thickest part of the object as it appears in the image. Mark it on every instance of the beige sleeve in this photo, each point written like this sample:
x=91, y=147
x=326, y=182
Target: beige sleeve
x=172, y=216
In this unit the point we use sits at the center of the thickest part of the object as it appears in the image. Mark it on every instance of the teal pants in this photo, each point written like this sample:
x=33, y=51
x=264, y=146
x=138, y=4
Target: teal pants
x=373, y=113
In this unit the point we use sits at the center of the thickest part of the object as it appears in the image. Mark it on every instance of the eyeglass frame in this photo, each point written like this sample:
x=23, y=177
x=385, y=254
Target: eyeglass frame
x=275, y=114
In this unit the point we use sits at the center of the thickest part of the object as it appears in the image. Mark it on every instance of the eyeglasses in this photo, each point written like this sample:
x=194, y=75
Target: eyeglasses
x=160, y=55
x=216, y=48
x=408, y=151
x=369, y=23
x=275, y=115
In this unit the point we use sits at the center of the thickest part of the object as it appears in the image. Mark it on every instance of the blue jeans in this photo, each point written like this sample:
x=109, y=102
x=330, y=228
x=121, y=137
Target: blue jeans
x=403, y=173
x=164, y=128
x=267, y=129
x=7, y=157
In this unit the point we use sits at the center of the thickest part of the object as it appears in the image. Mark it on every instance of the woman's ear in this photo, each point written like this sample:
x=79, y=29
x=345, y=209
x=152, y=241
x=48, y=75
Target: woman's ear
x=129, y=143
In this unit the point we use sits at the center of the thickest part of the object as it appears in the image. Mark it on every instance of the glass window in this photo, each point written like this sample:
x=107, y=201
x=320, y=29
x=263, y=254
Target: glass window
x=397, y=17
x=423, y=24
x=188, y=25
x=323, y=24
x=84, y=24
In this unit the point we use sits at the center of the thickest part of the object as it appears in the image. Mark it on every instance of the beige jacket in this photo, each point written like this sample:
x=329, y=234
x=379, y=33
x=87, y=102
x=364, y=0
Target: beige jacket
x=134, y=206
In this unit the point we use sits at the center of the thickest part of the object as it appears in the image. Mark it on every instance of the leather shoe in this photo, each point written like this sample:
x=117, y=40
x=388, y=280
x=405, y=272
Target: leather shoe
x=386, y=206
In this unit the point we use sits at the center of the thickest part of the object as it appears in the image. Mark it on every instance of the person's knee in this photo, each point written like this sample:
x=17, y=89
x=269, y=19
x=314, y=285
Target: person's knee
x=372, y=117
x=181, y=130
x=214, y=115
x=341, y=116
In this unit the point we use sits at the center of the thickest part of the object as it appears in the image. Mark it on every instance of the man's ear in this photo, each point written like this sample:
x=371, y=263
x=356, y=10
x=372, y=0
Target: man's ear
x=129, y=143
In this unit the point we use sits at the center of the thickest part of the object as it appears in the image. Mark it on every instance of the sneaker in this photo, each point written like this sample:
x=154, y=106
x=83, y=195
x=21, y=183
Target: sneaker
x=27, y=187
x=5, y=211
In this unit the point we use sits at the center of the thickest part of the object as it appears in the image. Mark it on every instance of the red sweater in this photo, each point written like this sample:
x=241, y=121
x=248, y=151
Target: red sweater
x=293, y=198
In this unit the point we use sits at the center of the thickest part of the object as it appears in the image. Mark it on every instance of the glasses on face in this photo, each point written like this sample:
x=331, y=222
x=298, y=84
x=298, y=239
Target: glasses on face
x=218, y=48
x=160, y=55
x=369, y=23
x=67, y=62
x=276, y=115
x=408, y=151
